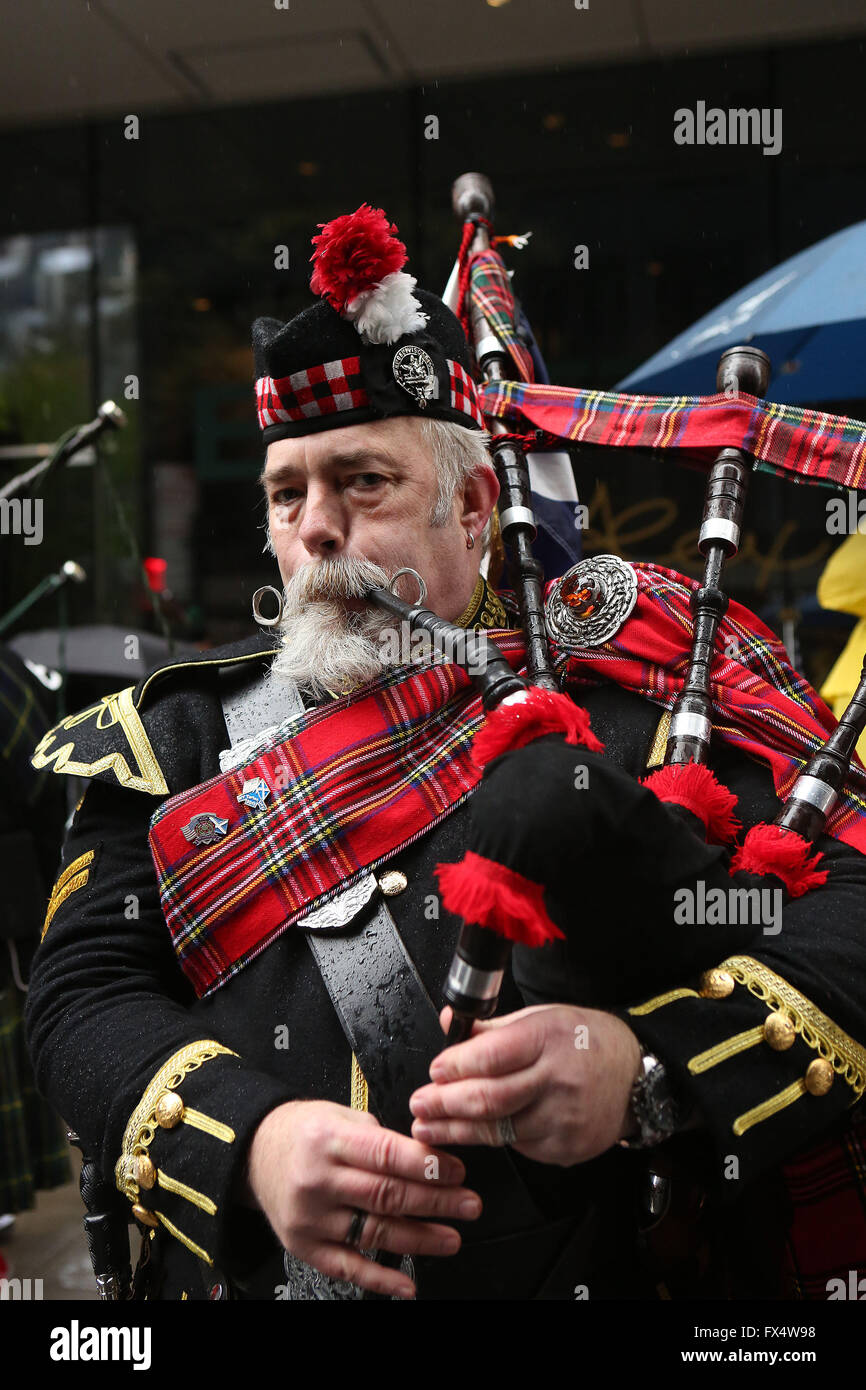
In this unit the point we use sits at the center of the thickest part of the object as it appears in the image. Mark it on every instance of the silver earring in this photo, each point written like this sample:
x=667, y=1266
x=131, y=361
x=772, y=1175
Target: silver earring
x=470, y=541
x=257, y=599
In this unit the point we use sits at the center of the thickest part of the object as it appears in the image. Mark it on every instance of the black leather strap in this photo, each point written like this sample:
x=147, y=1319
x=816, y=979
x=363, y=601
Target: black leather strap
x=252, y=701
x=387, y=1015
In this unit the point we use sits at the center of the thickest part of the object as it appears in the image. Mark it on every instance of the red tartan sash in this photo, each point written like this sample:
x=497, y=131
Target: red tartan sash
x=359, y=779
x=356, y=781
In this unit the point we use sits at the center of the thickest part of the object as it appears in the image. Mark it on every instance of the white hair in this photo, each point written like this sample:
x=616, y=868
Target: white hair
x=458, y=453
x=324, y=645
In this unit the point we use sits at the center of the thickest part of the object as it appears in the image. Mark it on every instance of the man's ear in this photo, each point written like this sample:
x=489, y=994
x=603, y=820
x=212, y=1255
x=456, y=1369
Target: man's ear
x=480, y=491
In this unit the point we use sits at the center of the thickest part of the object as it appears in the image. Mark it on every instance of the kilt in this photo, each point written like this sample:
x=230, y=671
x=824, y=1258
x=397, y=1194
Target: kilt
x=827, y=1186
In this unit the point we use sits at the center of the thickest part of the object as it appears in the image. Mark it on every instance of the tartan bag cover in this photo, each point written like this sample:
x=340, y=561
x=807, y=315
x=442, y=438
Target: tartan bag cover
x=358, y=779
x=490, y=291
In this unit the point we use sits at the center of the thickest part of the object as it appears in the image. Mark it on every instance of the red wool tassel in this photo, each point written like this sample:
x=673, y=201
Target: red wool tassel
x=769, y=849
x=353, y=253
x=491, y=895
x=542, y=712
x=696, y=787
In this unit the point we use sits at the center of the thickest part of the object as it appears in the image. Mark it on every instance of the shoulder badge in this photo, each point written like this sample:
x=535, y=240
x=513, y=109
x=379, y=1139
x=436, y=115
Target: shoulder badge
x=106, y=738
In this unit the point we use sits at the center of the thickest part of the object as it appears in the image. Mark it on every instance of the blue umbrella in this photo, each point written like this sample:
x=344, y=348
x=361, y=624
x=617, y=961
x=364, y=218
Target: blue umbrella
x=808, y=315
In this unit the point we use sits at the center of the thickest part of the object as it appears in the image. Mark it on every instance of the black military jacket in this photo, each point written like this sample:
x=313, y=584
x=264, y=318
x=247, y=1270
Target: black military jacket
x=116, y=1031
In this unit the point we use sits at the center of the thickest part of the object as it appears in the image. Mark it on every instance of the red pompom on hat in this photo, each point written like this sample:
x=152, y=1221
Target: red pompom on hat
x=358, y=269
x=353, y=253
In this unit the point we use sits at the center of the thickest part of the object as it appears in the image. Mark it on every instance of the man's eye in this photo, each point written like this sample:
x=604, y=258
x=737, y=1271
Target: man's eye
x=286, y=495
x=366, y=480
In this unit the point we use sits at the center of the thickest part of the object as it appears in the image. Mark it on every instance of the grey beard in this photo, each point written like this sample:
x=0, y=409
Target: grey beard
x=324, y=646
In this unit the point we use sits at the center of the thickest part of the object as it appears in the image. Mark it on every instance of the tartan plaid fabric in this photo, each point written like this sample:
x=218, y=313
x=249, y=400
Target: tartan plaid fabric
x=490, y=291
x=760, y=703
x=33, y=1151
x=805, y=446
x=827, y=1240
x=362, y=777
x=463, y=393
x=335, y=386
x=358, y=779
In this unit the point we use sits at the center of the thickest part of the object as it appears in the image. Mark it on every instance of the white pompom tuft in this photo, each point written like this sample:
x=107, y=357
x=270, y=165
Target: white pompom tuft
x=388, y=311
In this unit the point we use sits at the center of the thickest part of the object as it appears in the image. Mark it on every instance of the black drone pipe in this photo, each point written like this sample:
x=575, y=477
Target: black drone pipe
x=740, y=369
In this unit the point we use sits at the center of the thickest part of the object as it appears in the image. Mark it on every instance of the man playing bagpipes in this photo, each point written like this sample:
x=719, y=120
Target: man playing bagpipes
x=236, y=1002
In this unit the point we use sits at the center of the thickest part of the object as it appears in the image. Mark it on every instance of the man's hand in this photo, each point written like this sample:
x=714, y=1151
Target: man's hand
x=562, y=1075
x=312, y=1164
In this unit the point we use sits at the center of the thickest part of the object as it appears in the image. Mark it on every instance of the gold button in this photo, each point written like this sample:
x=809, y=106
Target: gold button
x=393, y=882
x=716, y=984
x=819, y=1077
x=146, y=1217
x=169, y=1110
x=144, y=1171
x=779, y=1032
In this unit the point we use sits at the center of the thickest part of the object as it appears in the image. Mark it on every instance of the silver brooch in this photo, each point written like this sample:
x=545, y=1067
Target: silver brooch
x=205, y=828
x=590, y=603
x=254, y=793
x=413, y=370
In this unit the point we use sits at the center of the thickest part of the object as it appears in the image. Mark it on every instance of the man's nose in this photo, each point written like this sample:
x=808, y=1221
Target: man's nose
x=323, y=525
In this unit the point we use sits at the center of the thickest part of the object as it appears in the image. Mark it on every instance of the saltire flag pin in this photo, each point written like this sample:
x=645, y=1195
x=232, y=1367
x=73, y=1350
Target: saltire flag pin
x=254, y=794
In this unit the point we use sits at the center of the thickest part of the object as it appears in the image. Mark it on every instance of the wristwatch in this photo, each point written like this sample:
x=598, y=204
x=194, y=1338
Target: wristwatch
x=652, y=1109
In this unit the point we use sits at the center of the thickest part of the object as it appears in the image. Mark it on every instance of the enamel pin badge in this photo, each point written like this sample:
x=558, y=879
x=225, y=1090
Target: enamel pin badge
x=254, y=793
x=205, y=828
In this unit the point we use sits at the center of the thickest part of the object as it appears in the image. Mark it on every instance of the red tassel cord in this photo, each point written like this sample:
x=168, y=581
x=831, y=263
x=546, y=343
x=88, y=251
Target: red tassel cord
x=464, y=263
x=515, y=723
x=696, y=787
x=491, y=895
x=768, y=849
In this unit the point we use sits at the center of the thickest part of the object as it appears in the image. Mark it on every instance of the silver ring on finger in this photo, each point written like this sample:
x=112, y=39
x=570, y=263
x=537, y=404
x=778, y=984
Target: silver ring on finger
x=356, y=1226
x=505, y=1130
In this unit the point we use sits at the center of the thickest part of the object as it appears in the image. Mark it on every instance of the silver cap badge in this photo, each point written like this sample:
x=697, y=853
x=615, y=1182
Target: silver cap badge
x=413, y=370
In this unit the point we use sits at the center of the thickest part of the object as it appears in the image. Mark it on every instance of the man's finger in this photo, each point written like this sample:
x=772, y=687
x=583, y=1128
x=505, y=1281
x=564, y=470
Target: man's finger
x=395, y=1236
x=387, y=1196
x=474, y=1099
x=485, y=1132
x=384, y=1151
x=344, y=1262
x=502, y=1045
